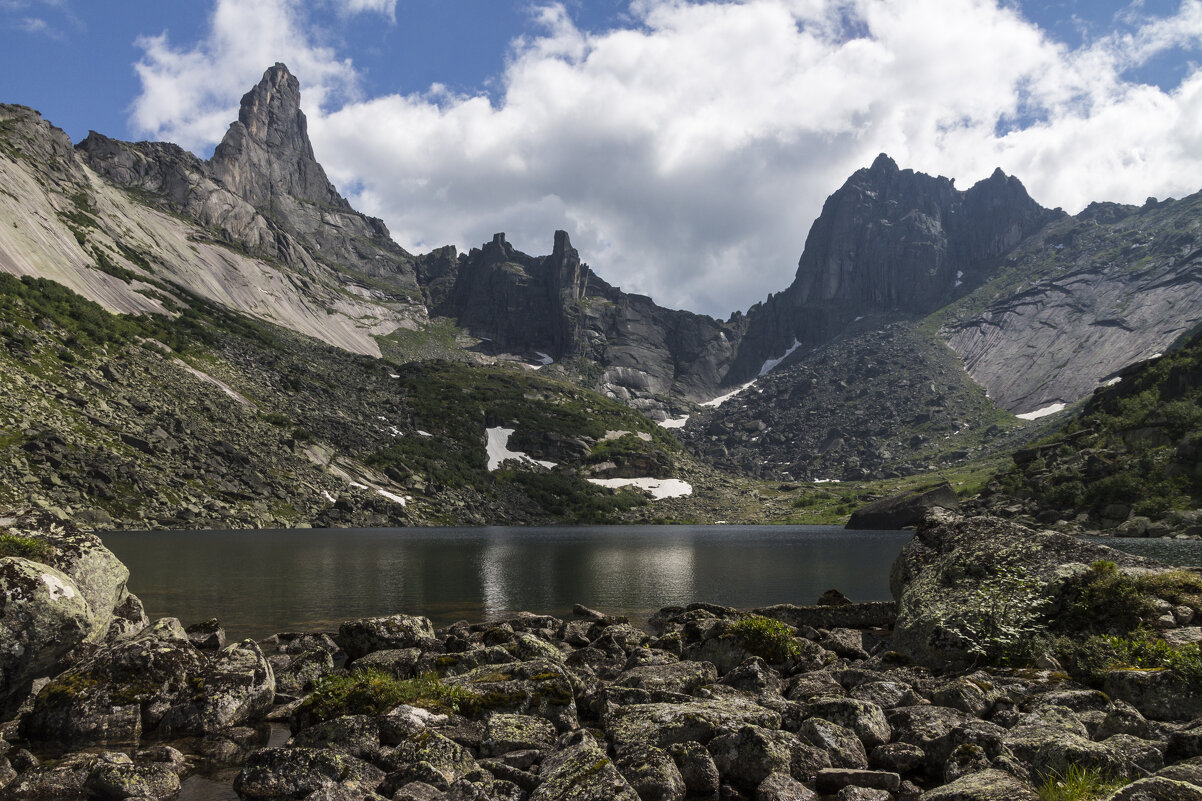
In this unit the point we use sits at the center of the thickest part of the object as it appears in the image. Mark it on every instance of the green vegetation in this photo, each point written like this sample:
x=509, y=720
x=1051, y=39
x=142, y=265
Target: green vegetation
x=375, y=691
x=1136, y=445
x=26, y=547
x=768, y=639
x=1141, y=649
x=1078, y=784
x=570, y=498
x=1104, y=600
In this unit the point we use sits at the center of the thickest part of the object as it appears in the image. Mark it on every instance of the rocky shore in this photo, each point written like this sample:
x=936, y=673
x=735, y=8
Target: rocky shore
x=976, y=684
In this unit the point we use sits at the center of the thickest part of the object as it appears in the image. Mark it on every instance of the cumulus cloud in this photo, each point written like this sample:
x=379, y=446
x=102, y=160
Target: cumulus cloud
x=688, y=152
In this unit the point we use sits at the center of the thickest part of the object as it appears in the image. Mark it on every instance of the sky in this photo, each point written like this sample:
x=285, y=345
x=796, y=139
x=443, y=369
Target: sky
x=685, y=145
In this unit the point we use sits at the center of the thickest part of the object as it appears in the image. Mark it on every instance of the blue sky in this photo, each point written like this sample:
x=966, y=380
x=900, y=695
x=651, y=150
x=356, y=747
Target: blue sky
x=685, y=145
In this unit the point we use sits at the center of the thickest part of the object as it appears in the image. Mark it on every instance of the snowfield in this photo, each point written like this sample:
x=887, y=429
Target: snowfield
x=659, y=488
x=498, y=451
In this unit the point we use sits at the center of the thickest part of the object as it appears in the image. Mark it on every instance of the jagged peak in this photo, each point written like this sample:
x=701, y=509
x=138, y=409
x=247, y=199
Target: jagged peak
x=267, y=152
x=883, y=163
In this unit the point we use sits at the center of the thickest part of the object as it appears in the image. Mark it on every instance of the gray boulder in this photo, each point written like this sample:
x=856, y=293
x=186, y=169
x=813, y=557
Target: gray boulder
x=985, y=785
x=581, y=771
x=361, y=637
x=904, y=509
x=662, y=725
x=968, y=588
x=283, y=774
x=747, y=757
x=651, y=772
x=44, y=616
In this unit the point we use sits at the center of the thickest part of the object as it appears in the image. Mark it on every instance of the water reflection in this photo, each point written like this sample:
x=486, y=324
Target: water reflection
x=265, y=581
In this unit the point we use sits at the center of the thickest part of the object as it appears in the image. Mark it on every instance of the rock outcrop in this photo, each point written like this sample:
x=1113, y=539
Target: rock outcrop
x=1075, y=304
x=906, y=509
x=890, y=240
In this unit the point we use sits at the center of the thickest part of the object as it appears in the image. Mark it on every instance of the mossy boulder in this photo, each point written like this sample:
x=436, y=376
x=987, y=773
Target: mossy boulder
x=540, y=687
x=44, y=616
x=581, y=771
x=662, y=725
x=156, y=682
x=361, y=637
x=969, y=589
x=283, y=774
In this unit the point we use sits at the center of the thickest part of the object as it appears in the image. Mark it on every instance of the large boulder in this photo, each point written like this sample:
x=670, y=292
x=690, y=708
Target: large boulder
x=904, y=509
x=663, y=725
x=581, y=772
x=361, y=637
x=154, y=682
x=63, y=588
x=969, y=587
x=44, y=616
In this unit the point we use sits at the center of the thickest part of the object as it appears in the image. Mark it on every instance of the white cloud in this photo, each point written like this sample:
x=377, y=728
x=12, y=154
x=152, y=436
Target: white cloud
x=688, y=153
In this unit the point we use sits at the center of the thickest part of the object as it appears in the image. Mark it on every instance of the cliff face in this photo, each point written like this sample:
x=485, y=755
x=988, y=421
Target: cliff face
x=889, y=240
x=1082, y=299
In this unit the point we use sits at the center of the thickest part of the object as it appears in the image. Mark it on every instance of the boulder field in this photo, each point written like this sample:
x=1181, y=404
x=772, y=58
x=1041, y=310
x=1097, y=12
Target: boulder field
x=840, y=700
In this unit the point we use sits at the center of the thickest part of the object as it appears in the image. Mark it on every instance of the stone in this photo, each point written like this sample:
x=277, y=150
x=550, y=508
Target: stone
x=832, y=780
x=1157, y=788
x=357, y=735
x=651, y=772
x=207, y=635
x=783, y=787
x=281, y=774
x=580, y=771
x=361, y=637
x=662, y=724
x=44, y=616
x=864, y=718
x=904, y=509
x=748, y=756
x=504, y=733
x=842, y=747
x=1156, y=694
x=985, y=785
x=540, y=687
x=901, y=758
x=114, y=781
x=697, y=768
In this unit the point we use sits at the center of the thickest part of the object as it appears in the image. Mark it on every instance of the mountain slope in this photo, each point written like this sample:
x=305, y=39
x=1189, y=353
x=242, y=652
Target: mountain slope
x=1080, y=300
x=1131, y=460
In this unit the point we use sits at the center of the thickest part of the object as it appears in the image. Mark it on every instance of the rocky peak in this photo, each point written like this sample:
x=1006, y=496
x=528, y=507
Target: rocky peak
x=891, y=241
x=267, y=152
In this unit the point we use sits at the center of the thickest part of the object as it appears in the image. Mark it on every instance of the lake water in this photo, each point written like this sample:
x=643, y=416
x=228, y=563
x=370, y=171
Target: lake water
x=261, y=582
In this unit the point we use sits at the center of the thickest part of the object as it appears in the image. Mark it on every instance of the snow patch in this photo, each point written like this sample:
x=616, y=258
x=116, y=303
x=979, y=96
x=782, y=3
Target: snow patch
x=421, y=433
x=826, y=481
x=498, y=451
x=659, y=488
x=721, y=399
x=1110, y=382
x=1044, y=412
x=543, y=359
x=57, y=588
x=771, y=364
x=393, y=375
x=674, y=422
x=392, y=496
x=326, y=494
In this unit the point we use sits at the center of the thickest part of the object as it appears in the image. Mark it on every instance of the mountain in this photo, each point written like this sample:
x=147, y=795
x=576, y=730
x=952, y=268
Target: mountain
x=912, y=299
x=888, y=241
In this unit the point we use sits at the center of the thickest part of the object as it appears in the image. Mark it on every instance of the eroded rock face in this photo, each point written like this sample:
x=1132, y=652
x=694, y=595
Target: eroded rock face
x=890, y=239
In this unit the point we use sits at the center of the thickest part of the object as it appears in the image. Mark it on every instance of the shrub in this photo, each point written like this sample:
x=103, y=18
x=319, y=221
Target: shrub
x=768, y=639
x=1002, y=615
x=26, y=547
x=1141, y=650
